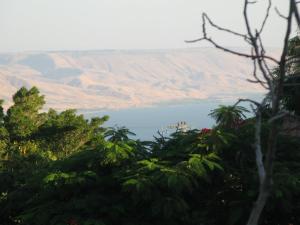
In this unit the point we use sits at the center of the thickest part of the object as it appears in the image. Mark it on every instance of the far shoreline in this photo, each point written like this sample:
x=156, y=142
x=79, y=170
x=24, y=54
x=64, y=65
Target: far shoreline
x=174, y=103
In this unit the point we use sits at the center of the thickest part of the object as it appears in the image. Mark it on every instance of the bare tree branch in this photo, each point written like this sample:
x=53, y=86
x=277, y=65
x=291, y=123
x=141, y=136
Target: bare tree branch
x=266, y=17
x=280, y=14
x=258, y=151
x=265, y=185
x=296, y=12
x=254, y=39
x=216, y=45
x=257, y=104
x=244, y=36
x=278, y=116
x=256, y=79
x=227, y=49
x=264, y=76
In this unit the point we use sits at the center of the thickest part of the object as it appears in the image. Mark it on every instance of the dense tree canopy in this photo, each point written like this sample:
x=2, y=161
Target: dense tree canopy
x=58, y=168
x=23, y=118
x=292, y=83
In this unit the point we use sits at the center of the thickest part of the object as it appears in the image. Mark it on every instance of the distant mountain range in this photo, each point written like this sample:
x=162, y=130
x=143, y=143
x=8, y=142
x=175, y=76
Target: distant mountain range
x=114, y=79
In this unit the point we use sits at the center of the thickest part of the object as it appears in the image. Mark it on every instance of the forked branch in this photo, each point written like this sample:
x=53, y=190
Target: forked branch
x=264, y=76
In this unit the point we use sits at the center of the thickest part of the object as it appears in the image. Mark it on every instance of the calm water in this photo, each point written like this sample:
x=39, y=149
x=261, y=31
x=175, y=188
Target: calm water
x=145, y=122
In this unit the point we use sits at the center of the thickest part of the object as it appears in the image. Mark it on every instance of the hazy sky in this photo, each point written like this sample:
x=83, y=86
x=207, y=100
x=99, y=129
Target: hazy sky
x=122, y=24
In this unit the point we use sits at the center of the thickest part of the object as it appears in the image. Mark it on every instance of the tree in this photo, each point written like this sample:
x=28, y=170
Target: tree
x=265, y=155
x=118, y=134
x=229, y=116
x=23, y=118
x=3, y=132
x=80, y=174
x=65, y=133
x=291, y=90
x=1, y=112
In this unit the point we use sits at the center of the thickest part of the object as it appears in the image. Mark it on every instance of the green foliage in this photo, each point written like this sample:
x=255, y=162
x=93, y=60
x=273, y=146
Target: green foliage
x=4, y=139
x=1, y=112
x=200, y=164
x=64, y=170
x=118, y=134
x=115, y=153
x=291, y=89
x=229, y=116
x=23, y=118
x=64, y=133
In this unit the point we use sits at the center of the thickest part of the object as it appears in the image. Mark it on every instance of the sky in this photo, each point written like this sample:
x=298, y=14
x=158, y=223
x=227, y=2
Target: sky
x=36, y=25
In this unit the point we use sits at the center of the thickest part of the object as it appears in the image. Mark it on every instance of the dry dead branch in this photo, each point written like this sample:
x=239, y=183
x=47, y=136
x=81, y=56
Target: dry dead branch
x=274, y=85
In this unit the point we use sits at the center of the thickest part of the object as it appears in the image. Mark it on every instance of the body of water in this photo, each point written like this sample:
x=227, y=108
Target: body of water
x=145, y=122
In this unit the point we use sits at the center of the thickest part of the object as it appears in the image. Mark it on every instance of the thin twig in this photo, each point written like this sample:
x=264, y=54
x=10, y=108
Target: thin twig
x=232, y=51
x=296, y=12
x=266, y=17
x=257, y=104
x=278, y=116
x=280, y=14
x=245, y=37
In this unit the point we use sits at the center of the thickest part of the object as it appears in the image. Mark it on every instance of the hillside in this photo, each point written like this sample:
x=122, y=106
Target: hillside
x=113, y=79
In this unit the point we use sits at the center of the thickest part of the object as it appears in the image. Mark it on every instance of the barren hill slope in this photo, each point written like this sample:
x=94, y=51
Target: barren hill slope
x=126, y=78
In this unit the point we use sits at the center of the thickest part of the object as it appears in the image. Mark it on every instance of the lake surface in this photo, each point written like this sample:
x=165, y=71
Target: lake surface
x=145, y=122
